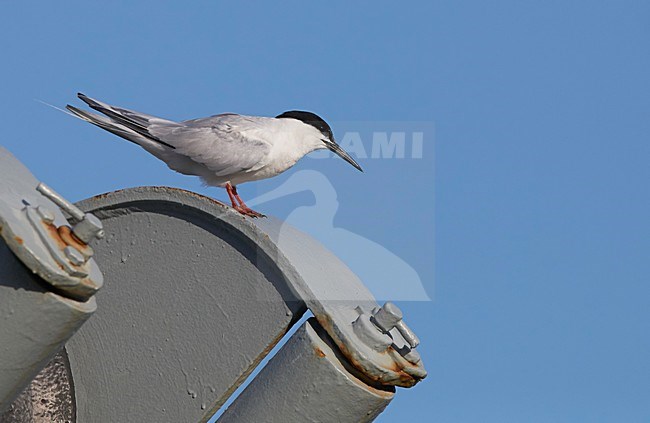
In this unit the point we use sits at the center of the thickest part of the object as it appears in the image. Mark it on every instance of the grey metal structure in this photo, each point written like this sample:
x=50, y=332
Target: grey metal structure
x=309, y=380
x=47, y=277
x=195, y=296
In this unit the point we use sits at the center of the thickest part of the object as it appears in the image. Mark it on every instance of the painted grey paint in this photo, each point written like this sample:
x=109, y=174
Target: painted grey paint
x=195, y=296
x=344, y=306
x=28, y=221
x=44, y=299
x=188, y=309
x=308, y=381
x=35, y=324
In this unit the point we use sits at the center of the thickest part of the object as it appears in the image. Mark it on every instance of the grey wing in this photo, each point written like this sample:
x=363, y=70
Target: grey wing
x=122, y=122
x=226, y=144
x=213, y=148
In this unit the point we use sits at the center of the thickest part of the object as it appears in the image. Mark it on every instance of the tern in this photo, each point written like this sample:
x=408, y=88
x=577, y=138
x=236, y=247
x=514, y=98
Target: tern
x=223, y=150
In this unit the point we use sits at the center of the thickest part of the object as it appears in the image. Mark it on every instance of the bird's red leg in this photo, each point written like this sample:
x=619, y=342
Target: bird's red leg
x=232, y=197
x=241, y=207
x=248, y=211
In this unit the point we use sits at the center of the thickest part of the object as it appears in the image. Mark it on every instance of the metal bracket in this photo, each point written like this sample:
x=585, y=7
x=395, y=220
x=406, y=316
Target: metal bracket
x=384, y=355
x=37, y=232
x=374, y=339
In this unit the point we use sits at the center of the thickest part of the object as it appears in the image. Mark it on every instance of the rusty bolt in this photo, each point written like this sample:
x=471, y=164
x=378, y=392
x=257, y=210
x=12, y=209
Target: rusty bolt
x=88, y=227
x=369, y=334
x=388, y=316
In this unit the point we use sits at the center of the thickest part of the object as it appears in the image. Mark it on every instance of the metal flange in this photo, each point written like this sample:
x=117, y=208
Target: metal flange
x=37, y=232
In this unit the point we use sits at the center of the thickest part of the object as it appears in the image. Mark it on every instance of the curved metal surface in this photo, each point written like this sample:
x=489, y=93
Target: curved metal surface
x=190, y=306
x=309, y=380
x=29, y=224
x=35, y=323
x=310, y=273
x=196, y=295
x=338, y=299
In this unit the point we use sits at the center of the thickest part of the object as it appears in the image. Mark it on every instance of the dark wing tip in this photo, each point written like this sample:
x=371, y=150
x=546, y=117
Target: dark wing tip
x=72, y=109
x=89, y=101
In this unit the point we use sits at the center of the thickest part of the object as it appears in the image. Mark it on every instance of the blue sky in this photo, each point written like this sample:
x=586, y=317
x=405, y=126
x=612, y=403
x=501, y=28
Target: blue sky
x=526, y=218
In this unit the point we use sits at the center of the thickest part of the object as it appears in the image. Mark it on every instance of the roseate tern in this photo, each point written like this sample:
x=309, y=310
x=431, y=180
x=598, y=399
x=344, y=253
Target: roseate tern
x=224, y=150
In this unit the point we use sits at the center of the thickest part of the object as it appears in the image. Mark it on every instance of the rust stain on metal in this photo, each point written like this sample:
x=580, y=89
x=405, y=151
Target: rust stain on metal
x=370, y=382
x=398, y=377
x=319, y=352
x=54, y=234
x=66, y=234
x=19, y=240
x=106, y=194
x=63, y=237
x=100, y=196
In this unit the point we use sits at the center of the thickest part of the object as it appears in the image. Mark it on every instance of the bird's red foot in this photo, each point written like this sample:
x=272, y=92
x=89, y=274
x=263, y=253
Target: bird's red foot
x=238, y=204
x=246, y=211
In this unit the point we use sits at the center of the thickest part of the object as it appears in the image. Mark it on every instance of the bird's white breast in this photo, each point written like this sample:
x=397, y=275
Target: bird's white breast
x=290, y=140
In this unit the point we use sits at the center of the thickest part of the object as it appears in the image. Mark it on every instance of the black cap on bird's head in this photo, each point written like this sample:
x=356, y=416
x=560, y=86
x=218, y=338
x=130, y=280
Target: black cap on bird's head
x=328, y=138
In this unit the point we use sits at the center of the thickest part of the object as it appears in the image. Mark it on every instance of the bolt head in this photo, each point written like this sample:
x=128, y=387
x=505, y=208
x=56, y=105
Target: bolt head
x=46, y=214
x=74, y=256
x=89, y=228
x=387, y=316
x=370, y=335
